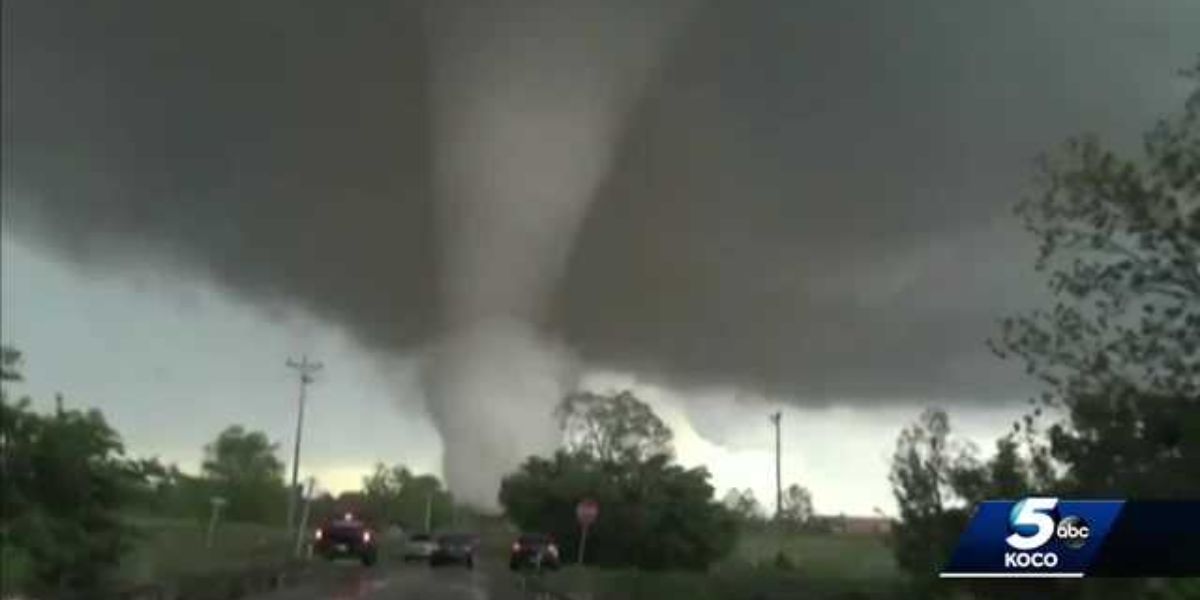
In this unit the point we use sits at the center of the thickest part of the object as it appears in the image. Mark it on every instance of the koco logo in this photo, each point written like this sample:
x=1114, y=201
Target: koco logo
x=1032, y=524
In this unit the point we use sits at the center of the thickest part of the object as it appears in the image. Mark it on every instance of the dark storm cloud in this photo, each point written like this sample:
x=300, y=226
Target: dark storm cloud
x=811, y=198
x=818, y=199
x=280, y=150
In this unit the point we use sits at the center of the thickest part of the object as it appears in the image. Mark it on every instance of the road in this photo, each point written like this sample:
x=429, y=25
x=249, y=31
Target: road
x=348, y=580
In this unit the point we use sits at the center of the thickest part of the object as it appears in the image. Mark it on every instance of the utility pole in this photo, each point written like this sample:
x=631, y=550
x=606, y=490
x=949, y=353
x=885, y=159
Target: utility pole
x=300, y=531
x=428, y=512
x=306, y=370
x=775, y=419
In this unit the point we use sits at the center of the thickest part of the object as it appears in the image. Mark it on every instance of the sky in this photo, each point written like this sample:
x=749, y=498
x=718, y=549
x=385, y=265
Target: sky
x=171, y=363
x=804, y=204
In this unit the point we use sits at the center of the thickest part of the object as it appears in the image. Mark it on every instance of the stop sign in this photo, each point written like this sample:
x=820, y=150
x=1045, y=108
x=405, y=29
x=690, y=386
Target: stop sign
x=586, y=511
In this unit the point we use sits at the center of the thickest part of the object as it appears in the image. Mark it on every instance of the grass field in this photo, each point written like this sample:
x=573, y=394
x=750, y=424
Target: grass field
x=171, y=548
x=835, y=556
x=822, y=566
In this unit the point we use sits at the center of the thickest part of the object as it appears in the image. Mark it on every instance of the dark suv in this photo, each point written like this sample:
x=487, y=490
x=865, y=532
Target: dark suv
x=534, y=550
x=455, y=548
x=346, y=537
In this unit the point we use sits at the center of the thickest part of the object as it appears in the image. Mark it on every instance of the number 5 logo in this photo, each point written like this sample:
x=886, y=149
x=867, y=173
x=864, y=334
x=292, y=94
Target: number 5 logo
x=1030, y=524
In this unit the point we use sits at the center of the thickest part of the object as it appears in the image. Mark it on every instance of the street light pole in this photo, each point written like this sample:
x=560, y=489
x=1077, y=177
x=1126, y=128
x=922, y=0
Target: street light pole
x=306, y=370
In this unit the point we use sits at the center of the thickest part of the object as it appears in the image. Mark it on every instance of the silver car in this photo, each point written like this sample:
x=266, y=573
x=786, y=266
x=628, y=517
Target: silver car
x=419, y=546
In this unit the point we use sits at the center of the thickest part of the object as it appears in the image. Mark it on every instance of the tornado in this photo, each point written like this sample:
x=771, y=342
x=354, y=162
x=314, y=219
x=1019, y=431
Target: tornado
x=528, y=100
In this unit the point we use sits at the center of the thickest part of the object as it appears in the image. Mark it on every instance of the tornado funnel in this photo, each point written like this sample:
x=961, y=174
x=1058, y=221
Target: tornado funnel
x=528, y=98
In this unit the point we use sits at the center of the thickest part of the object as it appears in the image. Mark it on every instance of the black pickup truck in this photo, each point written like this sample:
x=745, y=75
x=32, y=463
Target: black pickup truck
x=346, y=537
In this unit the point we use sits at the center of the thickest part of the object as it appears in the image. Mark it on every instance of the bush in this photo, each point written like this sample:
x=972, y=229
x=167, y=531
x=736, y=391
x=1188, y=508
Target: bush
x=783, y=562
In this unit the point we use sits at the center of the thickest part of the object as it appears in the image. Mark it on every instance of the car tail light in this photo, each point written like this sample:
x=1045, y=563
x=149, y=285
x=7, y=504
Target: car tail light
x=366, y=536
x=318, y=534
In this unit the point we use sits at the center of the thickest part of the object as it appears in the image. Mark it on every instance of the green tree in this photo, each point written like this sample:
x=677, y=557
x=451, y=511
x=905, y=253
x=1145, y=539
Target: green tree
x=242, y=467
x=381, y=491
x=654, y=514
x=1119, y=352
x=743, y=505
x=65, y=483
x=937, y=480
x=797, y=507
x=612, y=427
x=1006, y=476
x=10, y=363
x=322, y=508
x=395, y=495
x=351, y=501
x=157, y=485
x=164, y=490
x=926, y=467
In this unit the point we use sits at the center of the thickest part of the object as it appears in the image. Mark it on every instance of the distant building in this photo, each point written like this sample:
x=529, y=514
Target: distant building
x=852, y=525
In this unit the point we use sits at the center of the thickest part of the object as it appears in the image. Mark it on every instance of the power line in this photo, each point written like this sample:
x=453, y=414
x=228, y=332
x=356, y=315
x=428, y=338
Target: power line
x=306, y=370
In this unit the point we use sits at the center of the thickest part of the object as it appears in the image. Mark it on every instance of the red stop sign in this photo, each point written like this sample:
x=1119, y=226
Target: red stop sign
x=586, y=511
